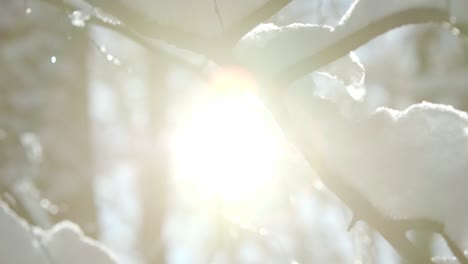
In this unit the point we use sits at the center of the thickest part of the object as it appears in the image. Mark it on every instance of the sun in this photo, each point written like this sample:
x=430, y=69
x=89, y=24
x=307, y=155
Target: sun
x=230, y=145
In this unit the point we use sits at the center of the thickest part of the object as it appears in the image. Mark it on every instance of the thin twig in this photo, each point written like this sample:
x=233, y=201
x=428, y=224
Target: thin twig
x=218, y=14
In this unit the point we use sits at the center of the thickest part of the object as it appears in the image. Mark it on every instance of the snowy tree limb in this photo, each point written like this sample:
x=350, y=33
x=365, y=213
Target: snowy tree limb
x=291, y=52
x=394, y=231
x=146, y=43
x=62, y=243
x=257, y=17
x=187, y=40
x=348, y=41
x=138, y=23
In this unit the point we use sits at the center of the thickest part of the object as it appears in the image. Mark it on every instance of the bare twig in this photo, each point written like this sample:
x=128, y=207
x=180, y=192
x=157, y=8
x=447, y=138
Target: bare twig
x=218, y=14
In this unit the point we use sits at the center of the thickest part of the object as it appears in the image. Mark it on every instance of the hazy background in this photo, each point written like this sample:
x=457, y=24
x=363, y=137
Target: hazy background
x=88, y=125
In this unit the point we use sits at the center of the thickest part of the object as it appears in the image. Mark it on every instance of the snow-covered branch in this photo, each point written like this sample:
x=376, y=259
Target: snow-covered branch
x=97, y=17
x=137, y=22
x=284, y=54
x=392, y=168
x=290, y=52
x=258, y=16
x=63, y=243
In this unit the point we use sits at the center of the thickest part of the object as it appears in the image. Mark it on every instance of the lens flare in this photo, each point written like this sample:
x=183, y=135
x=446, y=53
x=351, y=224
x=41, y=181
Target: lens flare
x=233, y=81
x=230, y=145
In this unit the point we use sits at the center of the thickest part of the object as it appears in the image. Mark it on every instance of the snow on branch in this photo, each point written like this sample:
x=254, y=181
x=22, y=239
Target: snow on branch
x=291, y=52
x=420, y=153
x=138, y=22
x=397, y=170
x=63, y=243
x=284, y=54
x=146, y=29
x=258, y=16
x=192, y=25
x=81, y=12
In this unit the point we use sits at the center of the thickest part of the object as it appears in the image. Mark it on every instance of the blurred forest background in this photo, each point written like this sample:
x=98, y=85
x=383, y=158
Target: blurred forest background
x=86, y=124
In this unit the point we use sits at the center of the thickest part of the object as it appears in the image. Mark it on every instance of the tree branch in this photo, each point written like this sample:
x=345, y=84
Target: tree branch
x=393, y=230
x=217, y=49
x=348, y=41
x=149, y=45
x=260, y=15
x=151, y=29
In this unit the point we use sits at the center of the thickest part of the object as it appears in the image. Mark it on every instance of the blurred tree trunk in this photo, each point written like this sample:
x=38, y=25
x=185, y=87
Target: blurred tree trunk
x=43, y=111
x=21, y=100
x=155, y=166
x=65, y=127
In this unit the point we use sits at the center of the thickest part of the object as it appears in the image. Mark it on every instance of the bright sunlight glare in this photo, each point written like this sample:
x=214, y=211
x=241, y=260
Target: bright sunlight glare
x=230, y=145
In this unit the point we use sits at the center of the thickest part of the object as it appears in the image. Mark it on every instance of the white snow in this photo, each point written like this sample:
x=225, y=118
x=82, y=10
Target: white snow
x=79, y=18
x=410, y=164
x=348, y=69
x=63, y=243
x=17, y=243
x=363, y=12
x=269, y=49
x=66, y=243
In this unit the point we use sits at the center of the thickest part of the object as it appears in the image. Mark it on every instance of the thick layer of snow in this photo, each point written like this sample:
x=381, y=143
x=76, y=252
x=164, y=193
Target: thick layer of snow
x=341, y=82
x=410, y=164
x=270, y=49
x=63, y=243
x=66, y=243
x=17, y=243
